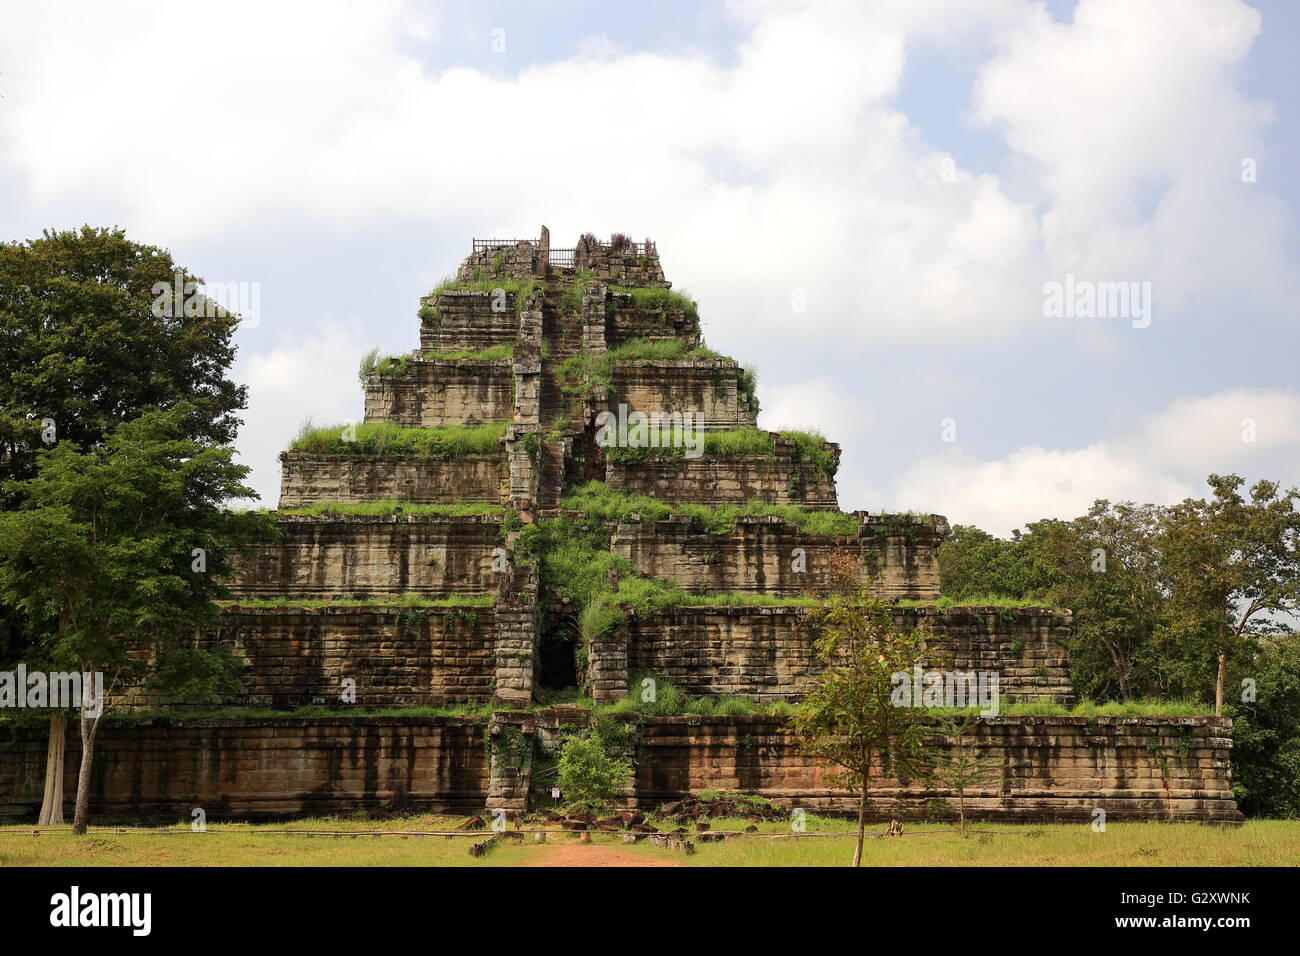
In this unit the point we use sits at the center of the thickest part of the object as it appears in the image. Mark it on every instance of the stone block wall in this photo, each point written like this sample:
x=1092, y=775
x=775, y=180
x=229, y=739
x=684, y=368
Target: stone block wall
x=397, y=656
x=713, y=480
x=516, y=639
x=1050, y=768
x=372, y=556
x=766, y=555
x=260, y=768
x=517, y=260
x=706, y=387
x=431, y=393
x=1047, y=769
x=468, y=321
x=636, y=265
x=1026, y=646
x=625, y=321
x=308, y=479
x=767, y=652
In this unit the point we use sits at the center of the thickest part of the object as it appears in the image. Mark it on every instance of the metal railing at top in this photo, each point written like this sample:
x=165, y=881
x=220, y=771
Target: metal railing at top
x=627, y=248
x=480, y=245
x=563, y=258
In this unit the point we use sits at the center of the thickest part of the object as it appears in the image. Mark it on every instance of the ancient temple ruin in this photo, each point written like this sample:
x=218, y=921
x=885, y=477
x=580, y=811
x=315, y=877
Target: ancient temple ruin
x=411, y=572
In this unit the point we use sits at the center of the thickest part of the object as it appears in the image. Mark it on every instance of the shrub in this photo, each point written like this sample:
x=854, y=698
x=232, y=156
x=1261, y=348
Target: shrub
x=589, y=778
x=447, y=443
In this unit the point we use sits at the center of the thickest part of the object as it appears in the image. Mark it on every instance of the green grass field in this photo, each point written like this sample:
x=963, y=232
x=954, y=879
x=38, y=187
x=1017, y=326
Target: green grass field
x=826, y=843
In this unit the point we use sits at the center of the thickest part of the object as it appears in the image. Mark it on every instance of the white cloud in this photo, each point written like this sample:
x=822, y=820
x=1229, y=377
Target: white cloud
x=1164, y=458
x=330, y=119
x=305, y=376
x=788, y=170
x=1133, y=120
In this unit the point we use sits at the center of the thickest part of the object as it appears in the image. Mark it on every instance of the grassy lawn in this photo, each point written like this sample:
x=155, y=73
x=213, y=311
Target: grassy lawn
x=828, y=843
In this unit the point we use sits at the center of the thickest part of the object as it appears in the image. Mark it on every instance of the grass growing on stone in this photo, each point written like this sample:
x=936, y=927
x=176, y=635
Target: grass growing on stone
x=405, y=599
x=392, y=507
x=748, y=599
x=1148, y=707
x=572, y=553
x=670, y=701
x=601, y=502
x=972, y=600
x=588, y=374
x=827, y=842
x=504, y=351
x=449, y=443
x=742, y=443
x=307, y=712
x=661, y=350
x=659, y=300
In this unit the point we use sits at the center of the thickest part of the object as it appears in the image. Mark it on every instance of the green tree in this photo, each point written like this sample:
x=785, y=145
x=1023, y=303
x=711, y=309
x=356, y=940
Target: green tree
x=1233, y=567
x=974, y=563
x=589, y=777
x=1104, y=567
x=847, y=717
x=119, y=550
x=1266, y=732
x=89, y=340
x=962, y=764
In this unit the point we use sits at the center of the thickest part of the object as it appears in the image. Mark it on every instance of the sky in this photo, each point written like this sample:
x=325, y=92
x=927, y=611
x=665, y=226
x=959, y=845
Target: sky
x=914, y=217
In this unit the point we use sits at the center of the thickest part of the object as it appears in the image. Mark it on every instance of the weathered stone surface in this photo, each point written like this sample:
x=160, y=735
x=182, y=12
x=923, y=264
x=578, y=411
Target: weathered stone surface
x=625, y=321
x=510, y=750
x=631, y=264
x=259, y=768
x=767, y=652
x=369, y=556
x=705, y=387
x=516, y=639
x=1052, y=768
x=307, y=479
x=396, y=657
x=726, y=480
x=468, y=321
x=766, y=555
x=431, y=393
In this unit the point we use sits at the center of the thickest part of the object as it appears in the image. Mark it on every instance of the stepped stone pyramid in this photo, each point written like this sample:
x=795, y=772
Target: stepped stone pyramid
x=407, y=574
x=574, y=326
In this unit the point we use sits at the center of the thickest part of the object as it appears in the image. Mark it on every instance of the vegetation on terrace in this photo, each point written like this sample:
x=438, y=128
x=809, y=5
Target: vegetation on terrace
x=372, y=363
x=747, y=442
x=518, y=289
x=391, y=507
x=660, y=300
x=448, y=443
x=600, y=502
x=972, y=600
x=589, y=374
x=405, y=599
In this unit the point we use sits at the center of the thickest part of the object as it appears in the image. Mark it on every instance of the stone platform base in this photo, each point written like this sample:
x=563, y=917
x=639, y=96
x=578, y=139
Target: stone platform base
x=1046, y=768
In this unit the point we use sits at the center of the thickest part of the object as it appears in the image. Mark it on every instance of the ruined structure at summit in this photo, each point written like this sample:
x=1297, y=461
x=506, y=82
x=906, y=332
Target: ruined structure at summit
x=560, y=493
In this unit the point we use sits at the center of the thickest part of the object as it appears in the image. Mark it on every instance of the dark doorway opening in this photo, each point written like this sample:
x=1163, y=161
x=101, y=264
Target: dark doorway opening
x=558, y=668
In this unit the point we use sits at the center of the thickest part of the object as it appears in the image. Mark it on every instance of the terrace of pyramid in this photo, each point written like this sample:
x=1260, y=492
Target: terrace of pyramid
x=478, y=547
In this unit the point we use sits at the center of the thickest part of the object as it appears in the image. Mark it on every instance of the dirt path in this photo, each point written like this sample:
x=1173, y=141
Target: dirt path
x=591, y=855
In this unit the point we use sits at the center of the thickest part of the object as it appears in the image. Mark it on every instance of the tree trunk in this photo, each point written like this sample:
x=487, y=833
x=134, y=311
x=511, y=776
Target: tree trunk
x=1223, y=674
x=961, y=809
x=88, y=727
x=862, y=822
x=52, y=802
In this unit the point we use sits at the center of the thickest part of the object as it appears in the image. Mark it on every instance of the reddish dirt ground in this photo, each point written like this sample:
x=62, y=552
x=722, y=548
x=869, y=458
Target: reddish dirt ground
x=591, y=855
